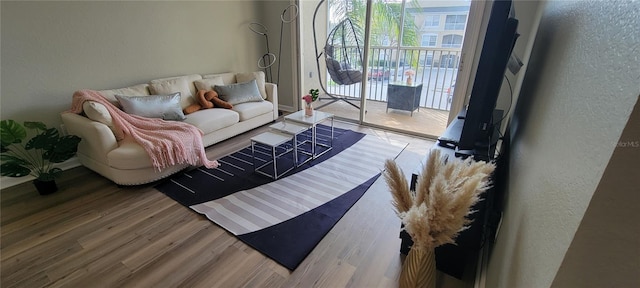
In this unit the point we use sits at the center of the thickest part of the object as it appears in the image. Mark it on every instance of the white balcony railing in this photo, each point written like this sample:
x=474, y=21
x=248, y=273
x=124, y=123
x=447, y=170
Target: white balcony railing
x=435, y=69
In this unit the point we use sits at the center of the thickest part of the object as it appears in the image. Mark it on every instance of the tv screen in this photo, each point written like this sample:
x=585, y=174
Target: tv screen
x=478, y=128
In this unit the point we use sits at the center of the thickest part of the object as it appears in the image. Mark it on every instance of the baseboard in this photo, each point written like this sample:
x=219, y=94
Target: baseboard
x=286, y=108
x=6, y=182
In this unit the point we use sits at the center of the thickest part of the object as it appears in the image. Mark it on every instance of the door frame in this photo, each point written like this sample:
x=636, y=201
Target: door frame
x=471, y=48
x=479, y=11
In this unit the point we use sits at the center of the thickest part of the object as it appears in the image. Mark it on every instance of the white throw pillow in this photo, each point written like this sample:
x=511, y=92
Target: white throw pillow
x=140, y=89
x=208, y=84
x=239, y=92
x=170, y=86
x=166, y=107
x=258, y=76
x=97, y=112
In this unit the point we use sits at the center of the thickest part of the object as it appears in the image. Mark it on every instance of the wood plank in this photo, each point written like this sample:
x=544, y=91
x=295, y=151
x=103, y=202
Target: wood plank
x=173, y=267
x=56, y=229
x=17, y=230
x=124, y=217
x=38, y=279
x=173, y=238
x=118, y=245
x=70, y=186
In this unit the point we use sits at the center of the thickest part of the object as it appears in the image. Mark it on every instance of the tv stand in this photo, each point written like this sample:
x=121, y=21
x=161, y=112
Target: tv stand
x=483, y=151
x=465, y=153
x=451, y=135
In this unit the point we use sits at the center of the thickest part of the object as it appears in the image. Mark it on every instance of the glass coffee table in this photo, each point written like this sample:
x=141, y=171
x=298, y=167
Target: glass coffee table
x=302, y=123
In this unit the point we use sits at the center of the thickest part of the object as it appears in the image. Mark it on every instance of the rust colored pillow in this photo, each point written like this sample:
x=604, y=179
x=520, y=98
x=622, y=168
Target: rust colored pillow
x=191, y=108
x=207, y=99
x=217, y=102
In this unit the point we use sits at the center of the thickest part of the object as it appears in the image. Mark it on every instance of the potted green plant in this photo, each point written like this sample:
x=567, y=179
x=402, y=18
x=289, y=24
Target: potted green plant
x=33, y=151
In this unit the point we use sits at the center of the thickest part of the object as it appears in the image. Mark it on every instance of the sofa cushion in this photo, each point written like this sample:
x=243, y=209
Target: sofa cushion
x=210, y=120
x=137, y=90
x=97, y=112
x=252, y=109
x=208, y=84
x=166, y=107
x=258, y=76
x=239, y=92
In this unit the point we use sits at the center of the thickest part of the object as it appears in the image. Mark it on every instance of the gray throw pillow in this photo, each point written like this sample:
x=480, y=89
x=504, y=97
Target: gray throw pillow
x=166, y=107
x=239, y=92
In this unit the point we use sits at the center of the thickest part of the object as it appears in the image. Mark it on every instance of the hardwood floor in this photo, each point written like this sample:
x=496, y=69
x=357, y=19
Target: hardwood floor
x=92, y=233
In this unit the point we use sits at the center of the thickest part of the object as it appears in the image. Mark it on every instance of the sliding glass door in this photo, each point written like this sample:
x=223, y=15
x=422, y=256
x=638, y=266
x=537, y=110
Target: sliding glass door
x=414, y=55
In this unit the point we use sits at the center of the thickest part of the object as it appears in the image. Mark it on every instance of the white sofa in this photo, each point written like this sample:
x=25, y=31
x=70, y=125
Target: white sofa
x=126, y=163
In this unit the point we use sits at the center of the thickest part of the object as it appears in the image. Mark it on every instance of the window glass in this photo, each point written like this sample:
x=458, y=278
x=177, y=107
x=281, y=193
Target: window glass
x=452, y=41
x=431, y=22
x=455, y=22
x=429, y=40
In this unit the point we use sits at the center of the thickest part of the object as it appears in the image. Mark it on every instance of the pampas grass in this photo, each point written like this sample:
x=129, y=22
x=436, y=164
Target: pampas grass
x=445, y=193
x=397, y=182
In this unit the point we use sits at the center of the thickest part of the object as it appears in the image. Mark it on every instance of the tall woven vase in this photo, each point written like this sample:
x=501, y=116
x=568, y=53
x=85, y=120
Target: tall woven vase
x=419, y=268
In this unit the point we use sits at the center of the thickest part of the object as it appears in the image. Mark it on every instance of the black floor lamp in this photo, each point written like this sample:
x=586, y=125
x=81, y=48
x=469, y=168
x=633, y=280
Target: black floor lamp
x=267, y=60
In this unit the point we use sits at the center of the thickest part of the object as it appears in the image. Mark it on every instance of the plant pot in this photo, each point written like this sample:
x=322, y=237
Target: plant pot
x=419, y=269
x=45, y=187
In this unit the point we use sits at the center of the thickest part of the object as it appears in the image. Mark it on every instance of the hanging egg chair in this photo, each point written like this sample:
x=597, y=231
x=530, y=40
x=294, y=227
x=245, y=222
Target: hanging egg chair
x=342, y=54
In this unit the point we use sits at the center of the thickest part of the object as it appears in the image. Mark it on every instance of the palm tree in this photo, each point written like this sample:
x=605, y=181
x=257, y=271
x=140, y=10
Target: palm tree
x=385, y=23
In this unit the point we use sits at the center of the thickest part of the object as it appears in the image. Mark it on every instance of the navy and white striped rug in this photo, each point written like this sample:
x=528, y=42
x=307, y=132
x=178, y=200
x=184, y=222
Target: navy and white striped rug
x=285, y=219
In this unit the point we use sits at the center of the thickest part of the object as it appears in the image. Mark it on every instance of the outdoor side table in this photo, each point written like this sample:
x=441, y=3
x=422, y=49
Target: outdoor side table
x=405, y=97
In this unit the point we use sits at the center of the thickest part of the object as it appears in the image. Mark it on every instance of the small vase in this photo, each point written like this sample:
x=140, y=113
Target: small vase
x=308, y=109
x=419, y=268
x=45, y=187
x=409, y=80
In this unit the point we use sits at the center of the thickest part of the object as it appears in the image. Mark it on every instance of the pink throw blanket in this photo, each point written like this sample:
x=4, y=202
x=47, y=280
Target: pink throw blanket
x=168, y=143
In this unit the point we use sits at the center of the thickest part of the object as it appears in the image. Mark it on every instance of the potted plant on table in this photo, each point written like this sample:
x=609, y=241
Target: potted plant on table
x=409, y=73
x=308, y=99
x=22, y=155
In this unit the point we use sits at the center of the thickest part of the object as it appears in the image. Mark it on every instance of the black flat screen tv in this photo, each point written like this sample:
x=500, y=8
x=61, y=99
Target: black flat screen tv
x=478, y=129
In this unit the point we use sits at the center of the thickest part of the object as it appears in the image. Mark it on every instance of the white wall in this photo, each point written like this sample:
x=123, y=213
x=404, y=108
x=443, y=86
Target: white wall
x=578, y=93
x=309, y=69
x=51, y=49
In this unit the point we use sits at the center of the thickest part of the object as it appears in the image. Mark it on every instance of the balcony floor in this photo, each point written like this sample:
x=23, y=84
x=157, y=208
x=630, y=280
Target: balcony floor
x=426, y=121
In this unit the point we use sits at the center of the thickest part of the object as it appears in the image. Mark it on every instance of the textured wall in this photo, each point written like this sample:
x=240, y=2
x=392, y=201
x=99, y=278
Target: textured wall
x=50, y=49
x=577, y=95
x=605, y=251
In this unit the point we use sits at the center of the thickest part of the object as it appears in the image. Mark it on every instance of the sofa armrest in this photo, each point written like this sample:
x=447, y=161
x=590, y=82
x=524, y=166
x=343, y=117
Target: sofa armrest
x=97, y=139
x=272, y=96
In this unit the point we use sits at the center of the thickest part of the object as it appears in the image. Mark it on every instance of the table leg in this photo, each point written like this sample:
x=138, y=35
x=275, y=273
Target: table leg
x=331, y=132
x=253, y=155
x=313, y=141
x=275, y=167
x=295, y=151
